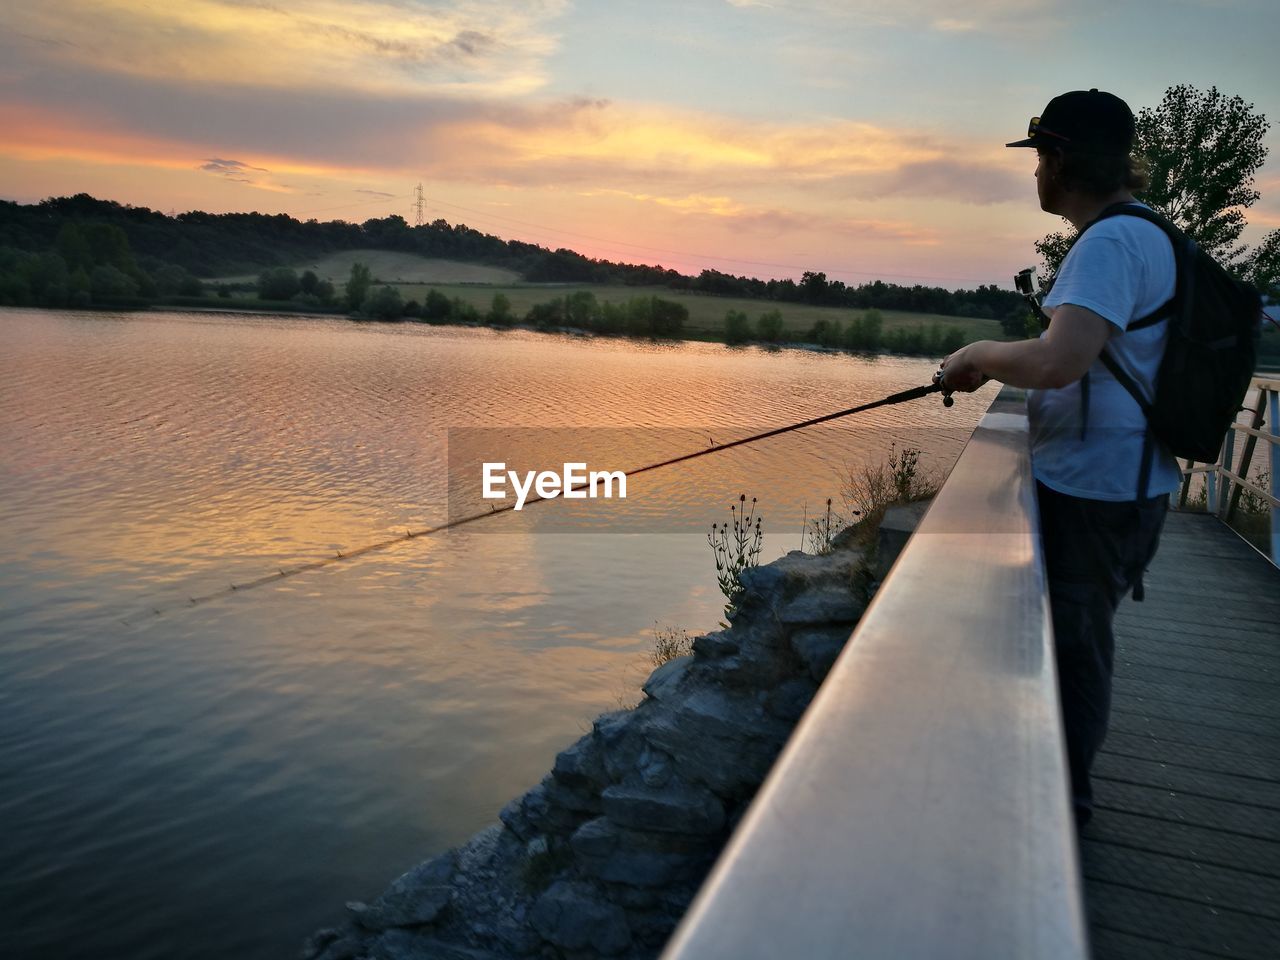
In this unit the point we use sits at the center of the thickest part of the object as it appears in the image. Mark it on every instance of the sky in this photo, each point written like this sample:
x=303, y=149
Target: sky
x=859, y=138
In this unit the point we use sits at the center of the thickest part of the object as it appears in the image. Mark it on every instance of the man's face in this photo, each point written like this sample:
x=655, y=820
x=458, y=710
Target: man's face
x=1048, y=188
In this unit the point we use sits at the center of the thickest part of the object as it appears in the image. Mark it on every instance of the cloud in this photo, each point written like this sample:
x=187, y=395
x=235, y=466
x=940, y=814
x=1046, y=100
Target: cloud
x=957, y=179
x=216, y=165
x=998, y=16
x=381, y=195
x=393, y=46
x=692, y=159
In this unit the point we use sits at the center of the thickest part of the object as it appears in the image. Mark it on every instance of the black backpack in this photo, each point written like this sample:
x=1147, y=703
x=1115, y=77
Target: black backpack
x=1215, y=323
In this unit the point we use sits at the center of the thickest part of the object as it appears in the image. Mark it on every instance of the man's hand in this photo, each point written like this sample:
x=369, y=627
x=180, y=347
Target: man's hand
x=1060, y=357
x=960, y=371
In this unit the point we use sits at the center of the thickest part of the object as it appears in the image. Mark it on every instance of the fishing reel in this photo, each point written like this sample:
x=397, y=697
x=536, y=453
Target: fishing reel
x=947, y=399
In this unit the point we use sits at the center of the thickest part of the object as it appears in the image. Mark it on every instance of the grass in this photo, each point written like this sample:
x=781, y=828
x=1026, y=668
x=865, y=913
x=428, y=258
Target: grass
x=706, y=313
x=389, y=266
x=669, y=643
x=868, y=491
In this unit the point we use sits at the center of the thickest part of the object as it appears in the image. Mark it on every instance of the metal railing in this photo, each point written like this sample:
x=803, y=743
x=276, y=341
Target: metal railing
x=1225, y=481
x=920, y=809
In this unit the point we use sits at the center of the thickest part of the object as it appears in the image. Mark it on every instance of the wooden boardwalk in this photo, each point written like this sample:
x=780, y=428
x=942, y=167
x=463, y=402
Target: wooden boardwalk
x=1182, y=859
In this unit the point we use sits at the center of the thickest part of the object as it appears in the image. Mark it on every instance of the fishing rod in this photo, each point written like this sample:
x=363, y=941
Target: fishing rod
x=915, y=393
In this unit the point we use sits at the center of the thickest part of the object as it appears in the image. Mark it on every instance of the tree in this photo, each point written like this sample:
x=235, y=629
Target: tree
x=358, y=285
x=278, y=283
x=769, y=326
x=1262, y=266
x=437, y=307
x=1203, y=149
x=813, y=286
x=384, y=303
x=500, y=310
x=737, y=327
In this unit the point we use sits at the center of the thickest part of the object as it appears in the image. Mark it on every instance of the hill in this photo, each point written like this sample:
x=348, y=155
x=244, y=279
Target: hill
x=64, y=250
x=390, y=266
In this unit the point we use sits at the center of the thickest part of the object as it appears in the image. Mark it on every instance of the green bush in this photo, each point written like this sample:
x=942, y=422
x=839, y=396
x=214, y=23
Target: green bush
x=384, y=303
x=278, y=283
x=769, y=326
x=737, y=327
x=500, y=311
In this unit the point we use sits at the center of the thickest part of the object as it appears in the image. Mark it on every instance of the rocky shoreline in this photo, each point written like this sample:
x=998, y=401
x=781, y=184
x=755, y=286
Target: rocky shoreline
x=603, y=857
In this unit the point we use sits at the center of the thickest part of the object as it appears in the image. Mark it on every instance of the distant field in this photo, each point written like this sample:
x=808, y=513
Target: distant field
x=706, y=313
x=391, y=267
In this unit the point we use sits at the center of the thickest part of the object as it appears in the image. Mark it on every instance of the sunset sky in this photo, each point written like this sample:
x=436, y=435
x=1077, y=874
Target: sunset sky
x=760, y=137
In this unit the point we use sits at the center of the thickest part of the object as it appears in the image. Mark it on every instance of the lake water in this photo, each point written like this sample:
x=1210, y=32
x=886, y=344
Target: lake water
x=215, y=780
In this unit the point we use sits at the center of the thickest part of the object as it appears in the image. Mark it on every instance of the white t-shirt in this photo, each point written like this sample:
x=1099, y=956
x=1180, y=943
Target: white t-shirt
x=1122, y=269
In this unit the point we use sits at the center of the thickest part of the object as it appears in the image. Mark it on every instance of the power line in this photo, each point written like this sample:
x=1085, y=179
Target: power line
x=358, y=203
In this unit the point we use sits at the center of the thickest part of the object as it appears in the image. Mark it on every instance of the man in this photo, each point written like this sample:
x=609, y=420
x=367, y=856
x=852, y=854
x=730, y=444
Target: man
x=1102, y=480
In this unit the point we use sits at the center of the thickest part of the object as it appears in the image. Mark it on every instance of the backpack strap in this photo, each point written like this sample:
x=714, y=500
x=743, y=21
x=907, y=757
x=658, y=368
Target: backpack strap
x=1164, y=312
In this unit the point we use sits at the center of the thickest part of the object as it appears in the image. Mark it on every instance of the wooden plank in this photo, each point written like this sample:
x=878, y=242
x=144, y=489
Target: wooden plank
x=1218, y=786
x=1115, y=945
x=1182, y=859
x=1183, y=923
x=1133, y=653
x=1180, y=877
x=1237, y=818
x=1206, y=698
x=1206, y=845
x=1174, y=709
x=1206, y=759
x=1178, y=730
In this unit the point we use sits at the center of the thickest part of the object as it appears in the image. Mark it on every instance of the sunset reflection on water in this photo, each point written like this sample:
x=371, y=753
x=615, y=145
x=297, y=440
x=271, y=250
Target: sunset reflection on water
x=229, y=774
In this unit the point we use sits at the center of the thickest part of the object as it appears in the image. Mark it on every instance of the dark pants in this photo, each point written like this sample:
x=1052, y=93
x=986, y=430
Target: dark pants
x=1095, y=551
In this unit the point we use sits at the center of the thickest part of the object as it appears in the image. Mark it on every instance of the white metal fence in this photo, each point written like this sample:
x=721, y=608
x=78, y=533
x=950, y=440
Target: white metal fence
x=1229, y=480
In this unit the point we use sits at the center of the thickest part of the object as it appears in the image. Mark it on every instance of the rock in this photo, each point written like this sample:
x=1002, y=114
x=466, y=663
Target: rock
x=572, y=917
x=791, y=699
x=662, y=683
x=604, y=852
x=763, y=658
x=518, y=815
x=653, y=928
x=315, y=944
x=621, y=740
x=895, y=530
x=710, y=712
x=725, y=741
x=576, y=800
x=818, y=648
x=673, y=809
x=409, y=945
x=477, y=854
x=762, y=583
x=827, y=604
x=729, y=768
x=414, y=899
x=581, y=766
x=713, y=646
x=344, y=948
x=539, y=811
x=655, y=767
x=797, y=573
x=624, y=828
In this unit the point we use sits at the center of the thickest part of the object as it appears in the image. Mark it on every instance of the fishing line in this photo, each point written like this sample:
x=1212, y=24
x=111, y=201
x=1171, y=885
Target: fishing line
x=343, y=555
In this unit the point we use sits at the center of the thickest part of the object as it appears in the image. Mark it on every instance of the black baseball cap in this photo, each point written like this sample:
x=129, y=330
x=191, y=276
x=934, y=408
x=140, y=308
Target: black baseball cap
x=1085, y=120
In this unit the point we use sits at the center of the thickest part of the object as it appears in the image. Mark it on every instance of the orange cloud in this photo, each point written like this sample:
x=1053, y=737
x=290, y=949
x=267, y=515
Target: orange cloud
x=473, y=46
x=43, y=134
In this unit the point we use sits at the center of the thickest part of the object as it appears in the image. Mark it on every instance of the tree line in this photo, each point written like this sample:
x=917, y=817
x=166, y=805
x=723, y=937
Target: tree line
x=175, y=256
